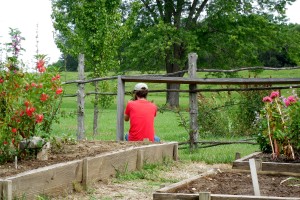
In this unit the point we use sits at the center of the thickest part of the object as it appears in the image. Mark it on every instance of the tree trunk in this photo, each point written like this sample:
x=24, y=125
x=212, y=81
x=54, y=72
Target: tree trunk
x=171, y=67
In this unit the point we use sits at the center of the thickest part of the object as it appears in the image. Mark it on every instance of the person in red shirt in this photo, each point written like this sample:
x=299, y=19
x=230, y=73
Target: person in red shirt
x=141, y=113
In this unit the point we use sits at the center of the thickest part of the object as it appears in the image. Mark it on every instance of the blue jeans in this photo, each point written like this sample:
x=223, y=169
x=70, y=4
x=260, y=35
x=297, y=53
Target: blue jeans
x=156, y=139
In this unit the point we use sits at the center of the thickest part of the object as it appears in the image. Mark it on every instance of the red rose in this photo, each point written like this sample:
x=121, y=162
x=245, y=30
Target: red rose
x=59, y=90
x=44, y=97
x=39, y=118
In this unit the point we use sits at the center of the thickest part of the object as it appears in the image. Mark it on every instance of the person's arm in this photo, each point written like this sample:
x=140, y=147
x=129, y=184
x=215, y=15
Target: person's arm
x=126, y=117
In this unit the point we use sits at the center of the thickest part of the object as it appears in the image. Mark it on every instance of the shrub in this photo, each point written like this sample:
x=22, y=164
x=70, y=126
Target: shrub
x=29, y=102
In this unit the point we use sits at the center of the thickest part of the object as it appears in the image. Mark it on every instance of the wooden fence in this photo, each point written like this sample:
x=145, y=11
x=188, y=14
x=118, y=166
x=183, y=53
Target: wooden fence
x=192, y=81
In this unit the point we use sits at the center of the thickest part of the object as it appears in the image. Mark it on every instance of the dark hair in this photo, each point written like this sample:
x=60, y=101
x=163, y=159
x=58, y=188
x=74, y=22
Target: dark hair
x=140, y=94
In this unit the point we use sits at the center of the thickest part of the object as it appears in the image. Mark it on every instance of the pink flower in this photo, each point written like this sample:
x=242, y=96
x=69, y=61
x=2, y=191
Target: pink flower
x=267, y=99
x=292, y=99
x=287, y=102
x=274, y=94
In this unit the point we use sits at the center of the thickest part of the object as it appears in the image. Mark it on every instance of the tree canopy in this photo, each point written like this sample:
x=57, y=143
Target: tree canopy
x=151, y=35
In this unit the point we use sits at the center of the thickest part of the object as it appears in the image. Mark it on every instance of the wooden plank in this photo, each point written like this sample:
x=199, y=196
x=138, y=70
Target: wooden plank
x=175, y=196
x=173, y=187
x=211, y=81
x=254, y=177
x=182, y=196
x=155, y=153
x=6, y=190
x=193, y=101
x=55, y=179
x=80, y=100
x=281, y=167
x=107, y=165
x=140, y=159
x=85, y=173
x=120, y=109
x=175, y=152
x=204, y=196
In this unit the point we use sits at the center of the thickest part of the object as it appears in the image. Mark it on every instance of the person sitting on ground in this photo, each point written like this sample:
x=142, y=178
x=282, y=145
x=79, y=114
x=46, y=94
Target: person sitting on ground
x=141, y=113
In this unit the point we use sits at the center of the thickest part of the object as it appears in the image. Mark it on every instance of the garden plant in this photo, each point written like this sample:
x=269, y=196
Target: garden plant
x=29, y=101
x=280, y=125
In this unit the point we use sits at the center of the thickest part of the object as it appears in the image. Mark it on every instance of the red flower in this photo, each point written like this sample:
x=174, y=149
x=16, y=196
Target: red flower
x=29, y=111
x=44, y=97
x=39, y=118
x=40, y=64
x=27, y=103
x=13, y=130
x=33, y=85
x=1, y=80
x=42, y=69
x=59, y=90
x=57, y=76
x=5, y=142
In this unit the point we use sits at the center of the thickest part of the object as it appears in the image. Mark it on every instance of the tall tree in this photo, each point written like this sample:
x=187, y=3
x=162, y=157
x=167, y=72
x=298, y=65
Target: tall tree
x=167, y=30
x=90, y=27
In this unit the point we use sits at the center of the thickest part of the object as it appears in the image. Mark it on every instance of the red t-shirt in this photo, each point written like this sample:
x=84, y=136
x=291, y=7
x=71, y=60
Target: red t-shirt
x=141, y=115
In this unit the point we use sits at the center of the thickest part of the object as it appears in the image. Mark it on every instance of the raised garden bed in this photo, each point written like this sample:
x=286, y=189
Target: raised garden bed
x=266, y=164
x=61, y=177
x=231, y=185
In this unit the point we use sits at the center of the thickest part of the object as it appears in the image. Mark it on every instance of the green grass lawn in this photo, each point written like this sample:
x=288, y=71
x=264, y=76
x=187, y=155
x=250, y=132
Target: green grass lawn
x=167, y=123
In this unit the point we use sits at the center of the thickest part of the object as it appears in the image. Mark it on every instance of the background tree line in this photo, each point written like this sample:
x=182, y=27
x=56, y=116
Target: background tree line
x=151, y=35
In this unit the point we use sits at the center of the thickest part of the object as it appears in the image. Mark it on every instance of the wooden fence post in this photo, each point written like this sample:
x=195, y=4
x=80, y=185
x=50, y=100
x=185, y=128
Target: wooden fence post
x=6, y=190
x=193, y=104
x=120, y=109
x=80, y=99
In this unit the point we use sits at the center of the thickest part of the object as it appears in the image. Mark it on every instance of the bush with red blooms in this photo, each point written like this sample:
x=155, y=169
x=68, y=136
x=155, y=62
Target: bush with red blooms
x=29, y=102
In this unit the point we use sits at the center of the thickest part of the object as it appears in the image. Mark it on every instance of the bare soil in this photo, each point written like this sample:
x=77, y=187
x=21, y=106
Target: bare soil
x=66, y=151
x=224, y=183
x=238, y=183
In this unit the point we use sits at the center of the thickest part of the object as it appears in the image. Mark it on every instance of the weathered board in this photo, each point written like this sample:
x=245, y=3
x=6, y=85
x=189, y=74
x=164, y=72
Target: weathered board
x=243, y=163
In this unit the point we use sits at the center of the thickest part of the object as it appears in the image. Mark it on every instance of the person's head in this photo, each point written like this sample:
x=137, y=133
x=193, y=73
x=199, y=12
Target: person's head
x=140, y=91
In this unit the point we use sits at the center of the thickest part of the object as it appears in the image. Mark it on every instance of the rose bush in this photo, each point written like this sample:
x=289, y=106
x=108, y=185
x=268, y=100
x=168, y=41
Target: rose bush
x=29, y=102
x=280, y=125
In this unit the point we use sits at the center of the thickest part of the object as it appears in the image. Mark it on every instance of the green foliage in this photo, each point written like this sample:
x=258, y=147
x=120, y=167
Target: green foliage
x=150, y=172
x=248, y=108
x=213, y=117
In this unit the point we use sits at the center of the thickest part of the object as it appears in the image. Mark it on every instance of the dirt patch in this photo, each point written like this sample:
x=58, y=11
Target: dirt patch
x=67, y=151
x=236, y=183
